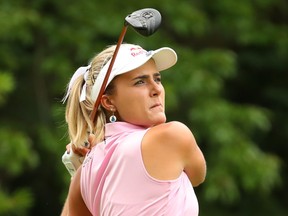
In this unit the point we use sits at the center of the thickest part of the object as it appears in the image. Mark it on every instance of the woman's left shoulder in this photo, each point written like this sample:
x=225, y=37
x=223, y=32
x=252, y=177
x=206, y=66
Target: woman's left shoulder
x=172, y=128
x=174, y=131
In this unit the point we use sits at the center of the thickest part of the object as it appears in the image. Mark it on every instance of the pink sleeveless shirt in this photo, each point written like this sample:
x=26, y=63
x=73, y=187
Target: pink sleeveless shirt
x=114, y=180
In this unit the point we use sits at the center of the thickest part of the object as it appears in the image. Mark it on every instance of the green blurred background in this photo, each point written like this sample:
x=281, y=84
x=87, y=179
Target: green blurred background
x=230, y=87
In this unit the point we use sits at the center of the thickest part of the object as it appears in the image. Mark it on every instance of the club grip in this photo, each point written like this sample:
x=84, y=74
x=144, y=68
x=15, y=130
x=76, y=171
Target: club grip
x=72, y=161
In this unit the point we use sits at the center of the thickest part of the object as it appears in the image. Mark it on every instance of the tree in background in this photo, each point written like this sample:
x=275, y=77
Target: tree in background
x=236, y=69
x=16, y=157
x=228, y=86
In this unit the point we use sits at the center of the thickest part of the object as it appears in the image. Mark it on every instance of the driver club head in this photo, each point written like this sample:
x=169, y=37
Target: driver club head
x=145, y=21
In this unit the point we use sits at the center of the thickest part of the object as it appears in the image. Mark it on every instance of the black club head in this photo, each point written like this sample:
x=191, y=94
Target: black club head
x=145, y=21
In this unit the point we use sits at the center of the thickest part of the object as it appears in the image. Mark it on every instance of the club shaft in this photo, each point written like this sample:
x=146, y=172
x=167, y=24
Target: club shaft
x=102, y=89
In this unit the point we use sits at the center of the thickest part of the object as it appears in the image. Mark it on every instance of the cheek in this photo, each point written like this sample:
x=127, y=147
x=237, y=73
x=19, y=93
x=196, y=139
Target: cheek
x=129, y=104
x=131, y=112
x=162, y=97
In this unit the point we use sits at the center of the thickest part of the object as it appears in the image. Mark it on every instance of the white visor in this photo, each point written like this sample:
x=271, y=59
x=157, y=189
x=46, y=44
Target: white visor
x=130, y=57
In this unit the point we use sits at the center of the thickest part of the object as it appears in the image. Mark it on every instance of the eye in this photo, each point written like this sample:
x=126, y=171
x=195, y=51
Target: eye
x=158, y=79
x=139, y=82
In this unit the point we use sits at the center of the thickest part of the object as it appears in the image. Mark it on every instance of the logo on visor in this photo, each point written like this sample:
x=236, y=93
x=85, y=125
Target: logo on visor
x=137, y=51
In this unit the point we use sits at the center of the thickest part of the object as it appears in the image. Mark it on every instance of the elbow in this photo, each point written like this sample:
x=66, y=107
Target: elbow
x=198, y=179
x=197, y=182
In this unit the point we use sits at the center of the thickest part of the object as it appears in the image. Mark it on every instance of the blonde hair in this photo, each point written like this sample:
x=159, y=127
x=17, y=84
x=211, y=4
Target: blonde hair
x=78, y=113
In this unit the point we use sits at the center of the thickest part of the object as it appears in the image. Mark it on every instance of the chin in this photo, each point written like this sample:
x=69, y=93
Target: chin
x=149, y=121
x=159, y=120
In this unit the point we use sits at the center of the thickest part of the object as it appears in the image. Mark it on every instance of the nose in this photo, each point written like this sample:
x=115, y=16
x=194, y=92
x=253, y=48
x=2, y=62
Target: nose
x=156, y=89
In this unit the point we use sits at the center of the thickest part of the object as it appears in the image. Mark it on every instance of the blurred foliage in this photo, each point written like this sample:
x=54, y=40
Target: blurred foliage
x=15, y=151
x=16, y=203
x=229, y=86
x=7, y=85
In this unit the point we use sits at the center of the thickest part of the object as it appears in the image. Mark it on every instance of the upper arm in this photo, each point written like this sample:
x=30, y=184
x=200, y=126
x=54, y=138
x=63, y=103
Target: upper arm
x=76, y=205
x=193, y=160
x=176, y=144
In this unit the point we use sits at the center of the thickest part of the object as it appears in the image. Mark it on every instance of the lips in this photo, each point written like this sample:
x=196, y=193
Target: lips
x=156, y=105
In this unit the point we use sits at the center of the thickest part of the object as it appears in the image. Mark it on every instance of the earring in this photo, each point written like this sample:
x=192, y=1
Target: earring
x=112, y=118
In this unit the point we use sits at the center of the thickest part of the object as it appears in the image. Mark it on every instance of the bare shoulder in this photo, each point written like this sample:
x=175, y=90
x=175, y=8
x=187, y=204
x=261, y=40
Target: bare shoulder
x=169, y=149
x=164, y=149
x=171, y=125
x=173, y=132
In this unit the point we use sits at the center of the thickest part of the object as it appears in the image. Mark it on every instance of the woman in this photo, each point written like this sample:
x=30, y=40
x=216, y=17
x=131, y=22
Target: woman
x=139, y=164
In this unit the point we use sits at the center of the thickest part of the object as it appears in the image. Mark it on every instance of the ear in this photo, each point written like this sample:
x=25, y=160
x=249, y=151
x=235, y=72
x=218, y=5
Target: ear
x=107, y=103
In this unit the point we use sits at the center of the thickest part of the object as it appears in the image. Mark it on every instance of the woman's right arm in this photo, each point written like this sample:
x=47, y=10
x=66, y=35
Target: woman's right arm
x=74, y=205
x=65, y=209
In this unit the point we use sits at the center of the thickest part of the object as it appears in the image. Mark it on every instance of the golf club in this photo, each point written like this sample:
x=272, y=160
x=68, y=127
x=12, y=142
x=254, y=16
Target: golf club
x=145, y=22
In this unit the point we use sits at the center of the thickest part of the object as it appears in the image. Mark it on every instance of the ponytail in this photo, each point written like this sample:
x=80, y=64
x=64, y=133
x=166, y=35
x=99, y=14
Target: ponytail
x=78, y=113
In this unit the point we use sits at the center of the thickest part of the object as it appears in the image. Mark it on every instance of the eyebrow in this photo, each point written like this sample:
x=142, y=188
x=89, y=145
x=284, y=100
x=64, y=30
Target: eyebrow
x=147, y=76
